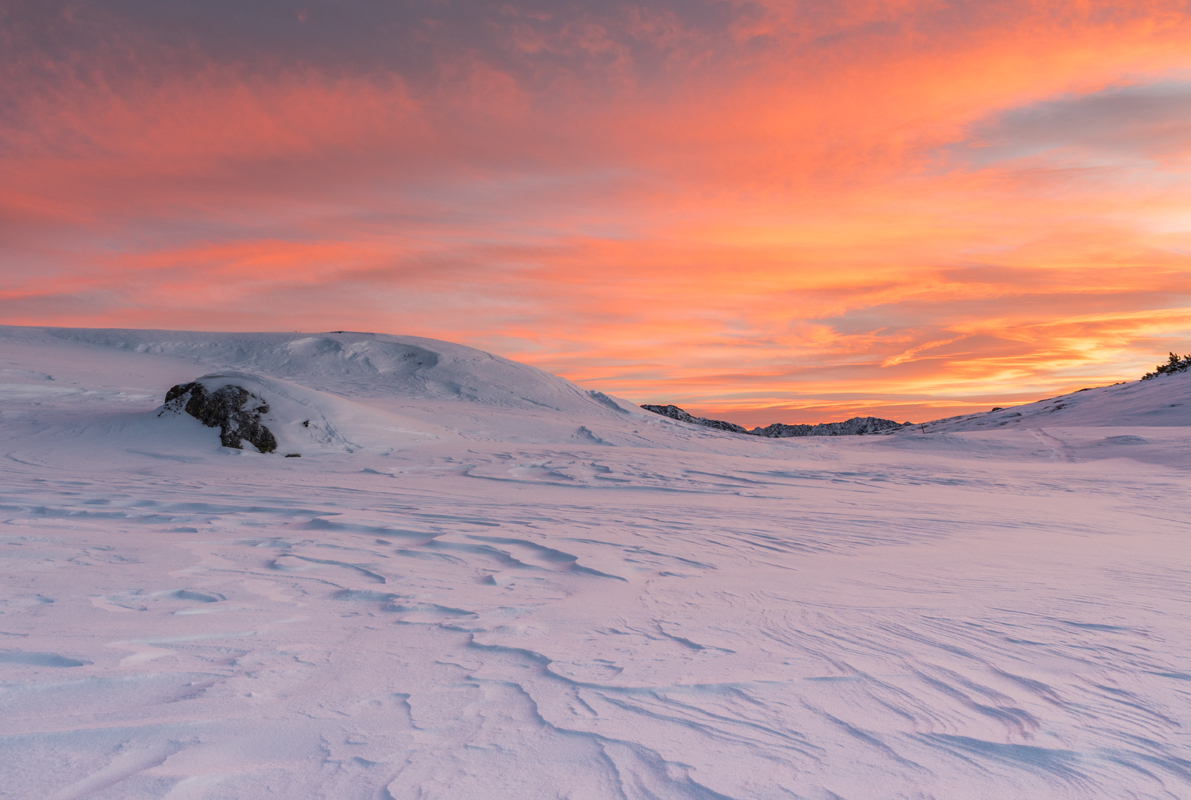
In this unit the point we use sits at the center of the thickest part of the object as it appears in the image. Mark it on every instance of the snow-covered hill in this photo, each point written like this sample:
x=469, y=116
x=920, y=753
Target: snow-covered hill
x=482, y=581
x=1162, y=401
x=356, y=365
x=366, y=391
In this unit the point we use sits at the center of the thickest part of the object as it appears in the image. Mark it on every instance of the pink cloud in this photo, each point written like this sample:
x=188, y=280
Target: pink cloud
x=799, y=209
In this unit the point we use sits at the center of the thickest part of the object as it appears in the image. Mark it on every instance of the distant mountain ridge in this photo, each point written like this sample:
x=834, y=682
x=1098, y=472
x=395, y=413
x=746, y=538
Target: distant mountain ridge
x=856, y=426
x=853, y=427
x=674, y=412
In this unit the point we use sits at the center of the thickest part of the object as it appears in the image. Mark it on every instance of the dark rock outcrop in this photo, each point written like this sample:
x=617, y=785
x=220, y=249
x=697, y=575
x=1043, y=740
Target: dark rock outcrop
x=674, y=412
x=856, y=426
x=852, y=427
x=233, y=409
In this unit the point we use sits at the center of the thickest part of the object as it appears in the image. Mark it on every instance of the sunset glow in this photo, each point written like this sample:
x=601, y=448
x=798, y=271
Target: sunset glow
x=764, y=211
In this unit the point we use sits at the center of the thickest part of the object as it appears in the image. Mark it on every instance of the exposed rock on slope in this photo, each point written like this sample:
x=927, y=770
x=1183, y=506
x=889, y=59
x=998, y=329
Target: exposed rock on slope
x=300, y=420
x=851, y=427
x=674, y=412
x=233, y=409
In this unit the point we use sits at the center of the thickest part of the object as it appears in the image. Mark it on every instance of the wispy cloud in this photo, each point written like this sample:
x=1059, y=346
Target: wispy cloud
x=773, y=210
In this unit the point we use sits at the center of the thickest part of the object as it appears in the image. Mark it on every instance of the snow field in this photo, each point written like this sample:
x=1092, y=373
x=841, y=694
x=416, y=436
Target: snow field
x=523, y=590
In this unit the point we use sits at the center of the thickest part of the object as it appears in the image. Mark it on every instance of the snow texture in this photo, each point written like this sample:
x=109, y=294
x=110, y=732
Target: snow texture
x=482, y=581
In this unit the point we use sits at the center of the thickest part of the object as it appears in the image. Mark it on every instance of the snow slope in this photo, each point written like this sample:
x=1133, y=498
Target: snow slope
x=1161, y=401
x=494, y=584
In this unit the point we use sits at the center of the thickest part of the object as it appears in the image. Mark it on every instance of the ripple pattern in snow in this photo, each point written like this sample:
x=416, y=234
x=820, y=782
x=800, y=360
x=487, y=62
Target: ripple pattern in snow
x=472, y=598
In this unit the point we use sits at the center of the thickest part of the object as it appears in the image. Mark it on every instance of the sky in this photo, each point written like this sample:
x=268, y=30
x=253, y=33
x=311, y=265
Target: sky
x=763, y=211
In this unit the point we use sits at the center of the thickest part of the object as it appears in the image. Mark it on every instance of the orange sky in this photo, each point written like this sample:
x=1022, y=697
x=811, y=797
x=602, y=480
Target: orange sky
x=773, y=211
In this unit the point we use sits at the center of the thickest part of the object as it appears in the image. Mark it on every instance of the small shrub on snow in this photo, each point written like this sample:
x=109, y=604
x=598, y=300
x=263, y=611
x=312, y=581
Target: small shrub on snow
x=1173, y=365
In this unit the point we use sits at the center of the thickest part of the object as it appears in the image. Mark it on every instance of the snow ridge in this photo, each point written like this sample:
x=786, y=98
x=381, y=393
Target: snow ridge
x=857, y=426
x=674, y=412
x=1165, y=402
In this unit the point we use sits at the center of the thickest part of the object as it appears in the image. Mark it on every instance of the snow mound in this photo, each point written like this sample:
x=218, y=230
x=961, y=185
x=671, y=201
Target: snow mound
x=363, y=365
x=1163, y=402
x=355, y=390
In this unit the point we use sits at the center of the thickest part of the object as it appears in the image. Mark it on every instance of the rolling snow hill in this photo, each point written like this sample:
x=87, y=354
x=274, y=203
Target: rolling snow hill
x=482, y=581
x=1163, y=401
x=364, y=391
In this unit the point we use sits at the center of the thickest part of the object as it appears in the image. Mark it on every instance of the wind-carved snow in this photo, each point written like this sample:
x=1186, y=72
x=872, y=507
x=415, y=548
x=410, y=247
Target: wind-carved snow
x=465, y=595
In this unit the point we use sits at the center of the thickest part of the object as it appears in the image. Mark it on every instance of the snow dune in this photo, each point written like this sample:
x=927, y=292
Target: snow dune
x=482, y=581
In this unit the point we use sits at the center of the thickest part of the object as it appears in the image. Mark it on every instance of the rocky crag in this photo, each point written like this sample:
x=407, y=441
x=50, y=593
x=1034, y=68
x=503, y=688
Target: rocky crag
x=674, y=412
x=233, y=409
x=853, y=427
x=856, y=426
